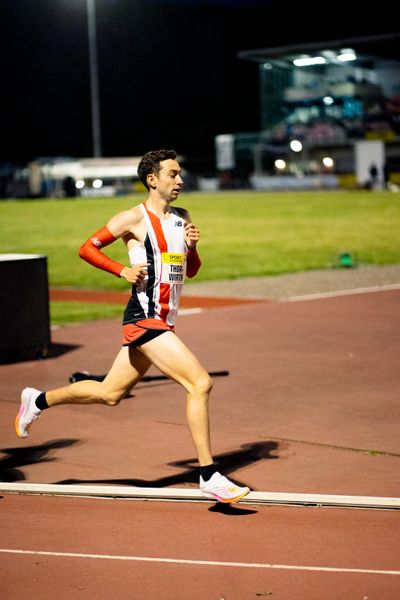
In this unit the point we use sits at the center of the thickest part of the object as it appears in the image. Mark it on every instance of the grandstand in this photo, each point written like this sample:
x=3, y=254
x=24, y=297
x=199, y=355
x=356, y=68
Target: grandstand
x=326, y=97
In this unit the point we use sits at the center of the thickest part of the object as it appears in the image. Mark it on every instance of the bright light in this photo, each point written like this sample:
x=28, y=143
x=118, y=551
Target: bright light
x=307, y=61
x=328, y=100
x=280, y=164
x=346, y=56
x=79, y=184
x=296, y=146
x=327, y=161
x=97, y=183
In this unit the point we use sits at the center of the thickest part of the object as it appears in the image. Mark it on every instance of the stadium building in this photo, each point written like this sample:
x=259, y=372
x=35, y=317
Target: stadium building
x=329, y=117
x=59, y=177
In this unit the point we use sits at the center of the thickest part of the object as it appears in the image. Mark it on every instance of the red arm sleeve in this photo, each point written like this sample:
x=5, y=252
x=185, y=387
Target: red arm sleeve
x=91, y=252
x=193, y=262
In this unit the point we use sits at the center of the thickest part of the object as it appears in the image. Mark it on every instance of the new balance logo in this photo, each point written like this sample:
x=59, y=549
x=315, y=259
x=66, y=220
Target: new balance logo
x=178, y=223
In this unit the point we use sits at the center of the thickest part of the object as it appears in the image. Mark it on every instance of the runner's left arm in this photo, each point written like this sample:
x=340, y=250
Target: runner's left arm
x=192, y=236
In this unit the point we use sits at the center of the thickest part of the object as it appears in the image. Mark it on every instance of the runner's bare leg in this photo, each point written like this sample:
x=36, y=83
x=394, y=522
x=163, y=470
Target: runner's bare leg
x=170, y=355
x=128, y=368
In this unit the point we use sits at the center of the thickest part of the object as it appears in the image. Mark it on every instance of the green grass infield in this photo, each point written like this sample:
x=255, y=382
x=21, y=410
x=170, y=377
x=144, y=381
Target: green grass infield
x=243, y=233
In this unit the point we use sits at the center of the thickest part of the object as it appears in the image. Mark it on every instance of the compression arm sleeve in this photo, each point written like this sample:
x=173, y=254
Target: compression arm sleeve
x=193, y=262
x=91, y=252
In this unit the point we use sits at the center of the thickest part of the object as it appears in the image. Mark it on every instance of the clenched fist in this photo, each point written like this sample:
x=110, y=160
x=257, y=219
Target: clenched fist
x=192, y=235
x=135, y=274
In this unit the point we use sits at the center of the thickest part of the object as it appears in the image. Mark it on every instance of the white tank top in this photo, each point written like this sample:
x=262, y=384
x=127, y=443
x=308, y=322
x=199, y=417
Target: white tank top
x=165, y=249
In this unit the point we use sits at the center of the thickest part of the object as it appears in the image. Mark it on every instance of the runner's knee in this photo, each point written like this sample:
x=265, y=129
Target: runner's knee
x=202, y=385
x=112, y=398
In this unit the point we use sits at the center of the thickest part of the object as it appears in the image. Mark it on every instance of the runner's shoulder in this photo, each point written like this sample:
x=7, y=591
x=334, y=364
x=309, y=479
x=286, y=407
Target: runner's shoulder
x=131, y=216
x=136, y=213
x=125, y=222
x=182, y=212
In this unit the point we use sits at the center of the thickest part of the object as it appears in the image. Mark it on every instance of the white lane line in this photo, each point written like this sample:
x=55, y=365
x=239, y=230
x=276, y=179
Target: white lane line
x=183, y=312
x=349, y=292
x=208, y=563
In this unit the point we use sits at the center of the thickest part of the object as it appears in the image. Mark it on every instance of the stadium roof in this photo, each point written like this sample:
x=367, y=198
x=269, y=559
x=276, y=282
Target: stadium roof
x=374, y=48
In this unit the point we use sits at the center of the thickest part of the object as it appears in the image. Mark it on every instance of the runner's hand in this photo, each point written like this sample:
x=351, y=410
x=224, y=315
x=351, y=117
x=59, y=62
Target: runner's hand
x=135, y=274
x=192, y=235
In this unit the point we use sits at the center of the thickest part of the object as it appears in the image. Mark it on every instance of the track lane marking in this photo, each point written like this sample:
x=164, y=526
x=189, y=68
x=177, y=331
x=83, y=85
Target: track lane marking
x=345, y=292
x=208, y=563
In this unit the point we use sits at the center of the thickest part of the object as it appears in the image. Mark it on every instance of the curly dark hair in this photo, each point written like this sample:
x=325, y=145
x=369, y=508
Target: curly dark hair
x=150, y=163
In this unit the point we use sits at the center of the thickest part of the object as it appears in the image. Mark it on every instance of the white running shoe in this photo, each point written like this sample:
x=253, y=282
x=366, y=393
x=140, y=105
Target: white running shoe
x=28, y=412
x=221, y=489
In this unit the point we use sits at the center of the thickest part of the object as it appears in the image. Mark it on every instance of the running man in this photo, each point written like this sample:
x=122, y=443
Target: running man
x=161, y=241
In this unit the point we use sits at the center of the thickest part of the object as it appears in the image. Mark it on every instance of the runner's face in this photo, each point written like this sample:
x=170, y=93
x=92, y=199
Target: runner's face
x=169, y=181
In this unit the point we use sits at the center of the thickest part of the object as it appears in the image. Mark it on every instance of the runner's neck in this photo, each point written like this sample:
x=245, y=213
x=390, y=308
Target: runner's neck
x=161, y=208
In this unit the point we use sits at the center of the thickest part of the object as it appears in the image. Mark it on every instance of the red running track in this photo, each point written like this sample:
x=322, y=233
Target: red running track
x=310, y=406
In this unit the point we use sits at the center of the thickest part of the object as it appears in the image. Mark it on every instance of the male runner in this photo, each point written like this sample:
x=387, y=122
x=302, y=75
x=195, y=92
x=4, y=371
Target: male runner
x=161, y=243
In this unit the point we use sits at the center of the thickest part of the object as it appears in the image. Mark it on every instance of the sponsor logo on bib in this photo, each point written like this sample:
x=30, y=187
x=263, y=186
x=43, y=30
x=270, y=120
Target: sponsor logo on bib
x=173, y=267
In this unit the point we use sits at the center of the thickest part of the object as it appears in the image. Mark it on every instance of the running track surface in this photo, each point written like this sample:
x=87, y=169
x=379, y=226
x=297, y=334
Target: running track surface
x=310, y=406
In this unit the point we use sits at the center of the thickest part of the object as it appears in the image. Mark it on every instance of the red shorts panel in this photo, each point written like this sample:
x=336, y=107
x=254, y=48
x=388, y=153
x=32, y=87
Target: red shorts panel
x=132, y=332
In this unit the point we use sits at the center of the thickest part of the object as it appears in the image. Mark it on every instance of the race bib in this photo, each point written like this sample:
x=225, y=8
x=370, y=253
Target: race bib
x=173, y=267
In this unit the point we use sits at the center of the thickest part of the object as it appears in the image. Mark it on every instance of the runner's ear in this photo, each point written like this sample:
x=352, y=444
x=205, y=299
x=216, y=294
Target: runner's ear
x=151, y=181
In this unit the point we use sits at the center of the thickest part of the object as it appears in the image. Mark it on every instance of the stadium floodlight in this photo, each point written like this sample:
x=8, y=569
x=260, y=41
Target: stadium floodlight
x=296, y=146
x=327, y=161
x=280, y=164
x=347, y=55
x=308, y=61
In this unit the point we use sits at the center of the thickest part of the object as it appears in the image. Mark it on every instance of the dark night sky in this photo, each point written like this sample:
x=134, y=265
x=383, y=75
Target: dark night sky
x=169, y=72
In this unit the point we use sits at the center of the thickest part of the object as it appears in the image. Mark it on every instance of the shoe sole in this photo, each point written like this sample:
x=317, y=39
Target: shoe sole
x=227, y=500
x=17, y=420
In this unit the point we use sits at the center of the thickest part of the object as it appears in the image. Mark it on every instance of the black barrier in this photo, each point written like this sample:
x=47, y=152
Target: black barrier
x=24, y=307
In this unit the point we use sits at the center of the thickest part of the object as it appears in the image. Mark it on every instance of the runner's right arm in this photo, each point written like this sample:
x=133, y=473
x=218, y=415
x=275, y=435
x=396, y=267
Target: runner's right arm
x=90, y=250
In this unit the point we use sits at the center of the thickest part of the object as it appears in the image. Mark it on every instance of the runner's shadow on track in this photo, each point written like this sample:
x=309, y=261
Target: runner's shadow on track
x=19, y=457
x=232, y=511
x=227, y=463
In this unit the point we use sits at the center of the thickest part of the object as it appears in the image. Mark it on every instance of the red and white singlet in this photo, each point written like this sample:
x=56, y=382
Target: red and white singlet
x=157, y=297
